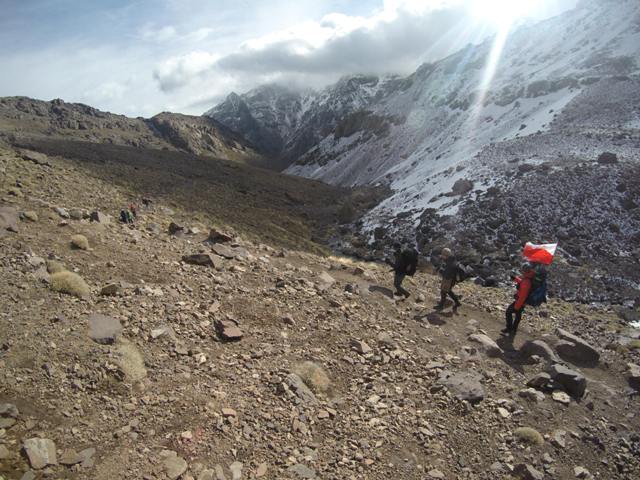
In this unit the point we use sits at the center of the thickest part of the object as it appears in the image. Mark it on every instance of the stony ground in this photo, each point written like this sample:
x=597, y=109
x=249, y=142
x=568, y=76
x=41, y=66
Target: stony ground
x=161, y=387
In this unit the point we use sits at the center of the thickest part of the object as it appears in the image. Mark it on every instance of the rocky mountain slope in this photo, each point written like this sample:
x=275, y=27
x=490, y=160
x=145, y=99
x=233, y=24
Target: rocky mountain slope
x=140, y=378
x=24, y=118
x=146, y=352
x=457, y=131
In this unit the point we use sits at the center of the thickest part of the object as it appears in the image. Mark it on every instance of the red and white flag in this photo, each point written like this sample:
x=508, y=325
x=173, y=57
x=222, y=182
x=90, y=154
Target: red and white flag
x=540, y=253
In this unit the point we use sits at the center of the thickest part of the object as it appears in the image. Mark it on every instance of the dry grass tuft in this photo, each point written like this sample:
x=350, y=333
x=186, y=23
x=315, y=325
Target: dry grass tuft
x=634, y=344
x=70, y=283
x=79, y=242
x=314, y=376
x=528, y=435
x=53, y=266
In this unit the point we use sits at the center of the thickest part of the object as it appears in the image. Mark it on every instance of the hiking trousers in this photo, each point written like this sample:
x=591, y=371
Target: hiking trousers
x=446, y=288
x=512, y=323
x=397, y=282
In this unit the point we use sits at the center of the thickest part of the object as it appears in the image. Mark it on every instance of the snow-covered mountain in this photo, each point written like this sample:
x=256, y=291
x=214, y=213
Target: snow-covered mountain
x=408, y=132
x=465, y=131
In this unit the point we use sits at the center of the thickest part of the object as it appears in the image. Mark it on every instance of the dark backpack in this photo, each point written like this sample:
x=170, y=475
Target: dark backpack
x=538, y=293
x=410, y=260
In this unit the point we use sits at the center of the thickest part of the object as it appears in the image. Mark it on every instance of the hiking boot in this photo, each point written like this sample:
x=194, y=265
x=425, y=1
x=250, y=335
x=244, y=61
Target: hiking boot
x=439, y=306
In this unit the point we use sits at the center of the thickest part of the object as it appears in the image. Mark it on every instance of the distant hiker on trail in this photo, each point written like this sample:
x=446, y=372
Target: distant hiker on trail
x=531, y=290
x=450, y=271
x=405, y=263
x=126, y=217
x=132, y=209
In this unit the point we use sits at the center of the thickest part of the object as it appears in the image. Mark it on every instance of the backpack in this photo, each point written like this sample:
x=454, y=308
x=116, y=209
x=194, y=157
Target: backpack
x=538, y=293
x=410, y=260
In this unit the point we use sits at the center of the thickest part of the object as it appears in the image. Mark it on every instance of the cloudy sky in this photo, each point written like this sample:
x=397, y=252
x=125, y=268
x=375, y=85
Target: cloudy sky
x=141, y=57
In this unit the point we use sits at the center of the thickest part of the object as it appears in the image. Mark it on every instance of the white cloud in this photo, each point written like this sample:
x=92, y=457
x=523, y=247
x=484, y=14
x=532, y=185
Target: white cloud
x=178, y=71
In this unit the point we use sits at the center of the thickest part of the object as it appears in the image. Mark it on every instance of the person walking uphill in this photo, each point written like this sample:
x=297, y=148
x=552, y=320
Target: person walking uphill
x=524, y=286
x=449, y=271
x=405, y=263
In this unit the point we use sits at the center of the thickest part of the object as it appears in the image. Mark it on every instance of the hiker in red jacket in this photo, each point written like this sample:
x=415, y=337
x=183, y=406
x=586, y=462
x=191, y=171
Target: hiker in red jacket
x=524, y=288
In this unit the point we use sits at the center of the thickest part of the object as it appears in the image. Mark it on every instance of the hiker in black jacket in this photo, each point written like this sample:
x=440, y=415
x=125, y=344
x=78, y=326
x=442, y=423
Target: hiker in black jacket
x=405, y=263
x=450, y=270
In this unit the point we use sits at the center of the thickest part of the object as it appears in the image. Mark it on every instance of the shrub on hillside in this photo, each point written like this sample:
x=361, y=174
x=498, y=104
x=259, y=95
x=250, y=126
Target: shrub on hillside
x=70, y=283
x=80, y=242
x=528, y=435
x=53, y=266
x=314, y=376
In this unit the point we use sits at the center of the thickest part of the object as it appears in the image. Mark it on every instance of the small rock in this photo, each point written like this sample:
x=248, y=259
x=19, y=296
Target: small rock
x=204, y=259
x=228, y=330
x=573, y=382
x=110, y=289
x=435, y=474
x=361, y=347
x=527, y=472
x=216, y=236
x=8, y=410
x=532, y=394
x=99, y=217
x=173, y=465
x=487, y=345
x=561, y=397
x=70, y=457
x=465, y=386
x=302, y=471
x=41, y=452
x=581, y=472
x=175, y=229
x=4, y=453
x=236, y=470
x=104, y=329
x=540, y=381
x=634, y=375
x=261, y=471
x=30, y=216
x=9, y=219
x=607, y=158
x=558, y=438
x=63, y=213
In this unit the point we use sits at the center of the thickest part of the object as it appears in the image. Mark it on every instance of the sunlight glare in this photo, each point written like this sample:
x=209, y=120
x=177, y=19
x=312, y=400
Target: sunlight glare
x=503, y=13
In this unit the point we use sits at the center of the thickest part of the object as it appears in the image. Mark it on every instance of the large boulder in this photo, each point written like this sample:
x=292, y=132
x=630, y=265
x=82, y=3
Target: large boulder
x=576, y=350
x=204, y=259
x=486, y=344
x=217, y=236
x=607, y=158
x=539, y=348
x=464, y=385
x=99, y=217
x=461, y=187
x=574, y=383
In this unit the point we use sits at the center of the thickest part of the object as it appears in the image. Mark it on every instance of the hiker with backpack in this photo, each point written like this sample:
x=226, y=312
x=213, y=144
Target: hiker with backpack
x=451, y=273
x=531, y=290
x=405, y=263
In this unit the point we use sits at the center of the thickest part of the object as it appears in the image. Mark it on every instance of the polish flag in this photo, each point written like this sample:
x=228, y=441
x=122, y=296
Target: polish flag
x=540, y=253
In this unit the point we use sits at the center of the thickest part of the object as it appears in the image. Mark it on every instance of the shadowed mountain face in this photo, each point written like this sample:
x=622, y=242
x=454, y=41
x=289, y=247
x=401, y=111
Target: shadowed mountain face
x=22, y=117
x=278, y=209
